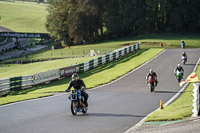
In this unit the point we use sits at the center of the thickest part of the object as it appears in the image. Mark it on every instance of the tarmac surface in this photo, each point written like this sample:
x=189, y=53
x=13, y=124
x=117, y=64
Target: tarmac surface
x=3, y=29
x=113, y=108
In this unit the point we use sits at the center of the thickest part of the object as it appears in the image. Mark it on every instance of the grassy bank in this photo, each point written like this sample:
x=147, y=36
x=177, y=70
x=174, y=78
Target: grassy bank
x=14, y=70
x=93, y=78
x=180, y=109
x=168, y=40
x=23, y=16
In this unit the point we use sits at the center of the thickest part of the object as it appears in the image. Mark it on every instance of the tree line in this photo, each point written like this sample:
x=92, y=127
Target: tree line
x=79, y=21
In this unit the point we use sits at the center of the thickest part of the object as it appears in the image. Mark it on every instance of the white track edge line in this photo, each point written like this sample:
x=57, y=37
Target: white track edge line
x=141, y=122
x=89, y=89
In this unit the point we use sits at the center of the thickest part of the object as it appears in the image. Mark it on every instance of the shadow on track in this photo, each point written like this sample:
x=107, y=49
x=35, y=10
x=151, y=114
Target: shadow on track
x=190, y=64
x=165, y=91
x=110, y=115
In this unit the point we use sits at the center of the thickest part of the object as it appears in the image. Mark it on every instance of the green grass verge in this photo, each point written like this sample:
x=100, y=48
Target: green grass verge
x=93, y=78
x=169, y=40
x=23, y=16
x=180, y=109
x=15, y=70
x=34, y=40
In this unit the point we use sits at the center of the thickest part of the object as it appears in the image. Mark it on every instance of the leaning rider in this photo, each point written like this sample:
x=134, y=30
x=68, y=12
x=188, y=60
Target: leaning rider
x=179, y=68
x=154, y=75
x=78, y=84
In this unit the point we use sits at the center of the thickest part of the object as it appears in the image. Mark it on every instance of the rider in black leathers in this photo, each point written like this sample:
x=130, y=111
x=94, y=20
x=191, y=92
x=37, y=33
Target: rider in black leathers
x=78, y=84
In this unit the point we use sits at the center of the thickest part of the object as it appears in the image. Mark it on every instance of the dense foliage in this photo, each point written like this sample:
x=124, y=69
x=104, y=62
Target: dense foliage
x=78, y=21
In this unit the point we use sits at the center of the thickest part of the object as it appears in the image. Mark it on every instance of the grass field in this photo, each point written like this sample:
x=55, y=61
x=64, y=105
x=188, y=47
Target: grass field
x=180, y=109
x=23, y=16
x=93, y=78
x=14, y=70
x=168, y=40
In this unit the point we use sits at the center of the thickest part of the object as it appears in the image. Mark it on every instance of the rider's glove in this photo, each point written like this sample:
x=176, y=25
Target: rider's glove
x=68, y=90
x=82, y=88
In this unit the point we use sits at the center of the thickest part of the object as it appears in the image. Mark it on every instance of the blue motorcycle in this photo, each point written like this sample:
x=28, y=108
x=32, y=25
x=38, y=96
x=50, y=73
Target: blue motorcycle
x=184, y=59
x=77, y=102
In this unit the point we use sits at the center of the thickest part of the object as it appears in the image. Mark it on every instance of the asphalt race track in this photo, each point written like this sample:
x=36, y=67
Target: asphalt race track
x=112, y=109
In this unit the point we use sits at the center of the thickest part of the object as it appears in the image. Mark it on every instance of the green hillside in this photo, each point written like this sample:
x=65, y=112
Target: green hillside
x=23, y=16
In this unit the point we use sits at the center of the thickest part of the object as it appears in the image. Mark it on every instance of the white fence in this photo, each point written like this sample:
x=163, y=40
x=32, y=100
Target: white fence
x=195, y=100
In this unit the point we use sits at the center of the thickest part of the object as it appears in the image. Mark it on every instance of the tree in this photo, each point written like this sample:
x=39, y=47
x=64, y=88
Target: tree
x=56, y=23
x=78, y=20
x=86, y=21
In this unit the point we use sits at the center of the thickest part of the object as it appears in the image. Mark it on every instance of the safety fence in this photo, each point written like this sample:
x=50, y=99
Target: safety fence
x=3, y=42
x=14, y=84
x=196, y=94
x=18, y=83
x=10, y=46
x=196, y=99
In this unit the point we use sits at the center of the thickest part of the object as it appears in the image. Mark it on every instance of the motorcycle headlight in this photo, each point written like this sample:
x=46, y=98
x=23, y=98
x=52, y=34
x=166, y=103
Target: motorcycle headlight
x=74, y=96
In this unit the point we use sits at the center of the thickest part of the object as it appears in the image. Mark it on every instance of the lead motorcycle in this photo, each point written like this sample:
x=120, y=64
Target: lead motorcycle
x=77, y=102
x=151, y=83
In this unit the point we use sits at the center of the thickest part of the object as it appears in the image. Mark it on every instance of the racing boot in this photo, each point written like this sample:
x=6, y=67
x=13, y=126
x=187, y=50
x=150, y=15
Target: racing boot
x=86, y=103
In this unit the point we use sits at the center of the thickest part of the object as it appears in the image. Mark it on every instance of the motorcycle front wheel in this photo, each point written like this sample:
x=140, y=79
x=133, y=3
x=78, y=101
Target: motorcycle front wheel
x=73, y=108
x=179, y=79
x=151, y=87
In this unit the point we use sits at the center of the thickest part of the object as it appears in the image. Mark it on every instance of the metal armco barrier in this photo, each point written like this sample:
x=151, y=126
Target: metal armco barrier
x=14, y=84
x=18, y=83
x=68, y=71
x=46, y=76
x=4, y=41
x=4, y=86
x=27, y=81
x=107, y=58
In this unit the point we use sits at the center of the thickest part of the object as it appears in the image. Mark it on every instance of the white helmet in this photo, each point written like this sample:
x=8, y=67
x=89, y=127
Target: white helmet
x=150, y=71
x=75, y=76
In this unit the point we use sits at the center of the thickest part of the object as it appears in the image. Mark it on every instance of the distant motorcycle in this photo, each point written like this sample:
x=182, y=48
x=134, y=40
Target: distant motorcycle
x=179, y=75
x=77, y=102
x=184, y=59
x=151, y=83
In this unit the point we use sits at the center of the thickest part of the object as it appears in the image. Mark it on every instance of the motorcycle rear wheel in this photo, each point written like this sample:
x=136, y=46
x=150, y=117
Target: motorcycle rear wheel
x=183, y=62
